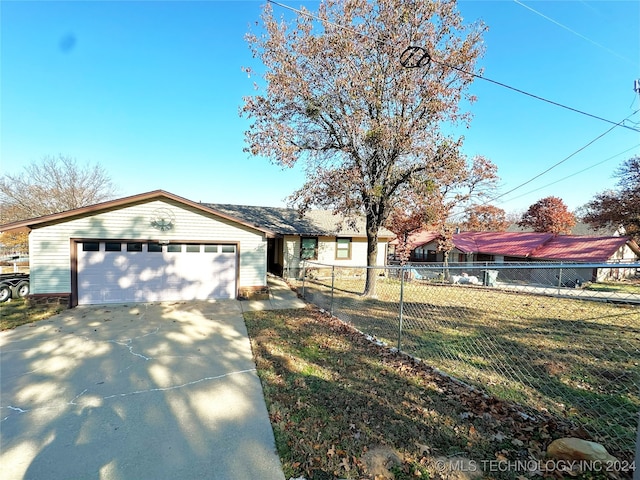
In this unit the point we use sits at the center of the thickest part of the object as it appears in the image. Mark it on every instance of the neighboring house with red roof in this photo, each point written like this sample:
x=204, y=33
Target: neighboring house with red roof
x=504, y=247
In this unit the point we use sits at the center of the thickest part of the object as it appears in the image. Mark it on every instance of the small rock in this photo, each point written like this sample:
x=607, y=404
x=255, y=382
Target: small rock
x=578, y=449
x=379, y=460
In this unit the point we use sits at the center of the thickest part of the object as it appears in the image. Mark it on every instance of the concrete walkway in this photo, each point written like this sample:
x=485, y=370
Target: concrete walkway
x=281, y=297
x=140, y=391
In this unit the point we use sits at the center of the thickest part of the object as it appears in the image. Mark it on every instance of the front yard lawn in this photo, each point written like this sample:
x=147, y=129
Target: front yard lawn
x=576, y=358
x=628, y=286
x=338, y=403
x=16, y=312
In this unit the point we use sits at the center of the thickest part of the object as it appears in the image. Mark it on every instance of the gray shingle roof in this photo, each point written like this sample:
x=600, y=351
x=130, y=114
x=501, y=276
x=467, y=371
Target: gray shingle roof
x=287, y=221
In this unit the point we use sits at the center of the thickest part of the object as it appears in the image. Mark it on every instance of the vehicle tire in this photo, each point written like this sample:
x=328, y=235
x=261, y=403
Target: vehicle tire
x=5, y=293
x=22, y=289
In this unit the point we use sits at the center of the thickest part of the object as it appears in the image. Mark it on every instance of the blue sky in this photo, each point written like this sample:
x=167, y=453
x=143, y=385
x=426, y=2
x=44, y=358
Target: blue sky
x=151, y=90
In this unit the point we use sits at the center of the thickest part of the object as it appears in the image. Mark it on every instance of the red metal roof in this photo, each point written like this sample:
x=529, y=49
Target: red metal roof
x=517, y=244
x=541, y=246
x=416, y=239
x=579, y=248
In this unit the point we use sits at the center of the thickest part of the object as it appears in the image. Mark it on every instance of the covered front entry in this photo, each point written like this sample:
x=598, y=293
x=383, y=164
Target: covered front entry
x=142, y=271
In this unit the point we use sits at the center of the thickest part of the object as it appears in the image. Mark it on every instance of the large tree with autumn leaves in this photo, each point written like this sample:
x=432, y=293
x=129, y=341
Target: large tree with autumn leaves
x=621, y=206
x=549, y=214
x=336, y=96
x=485, y=218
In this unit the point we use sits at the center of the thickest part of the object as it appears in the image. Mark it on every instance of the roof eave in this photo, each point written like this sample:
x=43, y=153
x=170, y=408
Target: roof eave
x=635, y=248
x=52, y=219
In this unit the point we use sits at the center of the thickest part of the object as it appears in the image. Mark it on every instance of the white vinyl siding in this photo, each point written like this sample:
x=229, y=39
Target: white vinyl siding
x=327, y=253
x=50, y=251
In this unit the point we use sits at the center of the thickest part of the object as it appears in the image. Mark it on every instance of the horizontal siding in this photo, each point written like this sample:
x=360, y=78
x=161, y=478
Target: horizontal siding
x=50, y=265
x=327, y=252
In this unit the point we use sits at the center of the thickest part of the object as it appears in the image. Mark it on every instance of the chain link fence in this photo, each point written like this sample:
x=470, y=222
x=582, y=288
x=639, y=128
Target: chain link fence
x=550, y=337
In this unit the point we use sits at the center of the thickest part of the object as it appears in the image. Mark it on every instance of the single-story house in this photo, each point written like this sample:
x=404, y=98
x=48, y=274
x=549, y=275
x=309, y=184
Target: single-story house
x=502, y=247
x=319, y=236
x=157, y=246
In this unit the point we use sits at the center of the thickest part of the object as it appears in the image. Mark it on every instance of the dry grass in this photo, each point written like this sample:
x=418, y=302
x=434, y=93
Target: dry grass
x=625, y=286
x=335, y=398
x=578, y=359
x=17, y=312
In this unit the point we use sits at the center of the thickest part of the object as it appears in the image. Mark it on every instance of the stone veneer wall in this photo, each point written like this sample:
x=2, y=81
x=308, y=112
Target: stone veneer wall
x=50, y=299
x=254, y=293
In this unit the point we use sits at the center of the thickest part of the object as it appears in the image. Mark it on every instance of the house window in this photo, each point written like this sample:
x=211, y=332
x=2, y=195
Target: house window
x=484, y=257
x=343, y=249
x=112, y=247
x=91, y=247
x=134, y=247
x=309, y=248
x=154, y=247
x=391, y=253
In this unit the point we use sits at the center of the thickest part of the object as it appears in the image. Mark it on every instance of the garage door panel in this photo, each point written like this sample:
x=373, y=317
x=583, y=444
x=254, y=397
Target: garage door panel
x=115, y=277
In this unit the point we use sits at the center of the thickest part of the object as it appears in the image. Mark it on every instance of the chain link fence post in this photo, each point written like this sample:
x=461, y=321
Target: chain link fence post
x=560, y=276
x=333, y=278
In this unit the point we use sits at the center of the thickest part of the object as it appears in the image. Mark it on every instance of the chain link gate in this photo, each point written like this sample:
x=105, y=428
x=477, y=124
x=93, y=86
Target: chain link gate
x=549, y=337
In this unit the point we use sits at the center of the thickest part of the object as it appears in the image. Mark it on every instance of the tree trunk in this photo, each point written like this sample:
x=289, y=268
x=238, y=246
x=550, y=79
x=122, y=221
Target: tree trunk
x=445, y=265
x=372, y=258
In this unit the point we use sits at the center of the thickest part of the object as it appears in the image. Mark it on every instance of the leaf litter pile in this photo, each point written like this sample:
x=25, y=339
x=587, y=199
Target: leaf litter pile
x=342, y=406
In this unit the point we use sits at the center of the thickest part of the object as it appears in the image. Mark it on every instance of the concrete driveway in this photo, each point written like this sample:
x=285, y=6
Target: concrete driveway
x=159, y=391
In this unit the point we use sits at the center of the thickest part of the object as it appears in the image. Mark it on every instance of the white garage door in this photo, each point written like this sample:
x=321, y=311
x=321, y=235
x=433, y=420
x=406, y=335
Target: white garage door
x=117, y=272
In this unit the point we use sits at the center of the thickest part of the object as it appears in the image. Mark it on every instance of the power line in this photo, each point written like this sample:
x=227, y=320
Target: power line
x=493, y=199
x=546, y=100
x=560, y=162
x=613, y=52
x=574, y=174
x=428, y=59
x=425, y=57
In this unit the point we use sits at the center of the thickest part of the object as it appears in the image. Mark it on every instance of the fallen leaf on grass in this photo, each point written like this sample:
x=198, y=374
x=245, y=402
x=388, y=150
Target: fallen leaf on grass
x=423, y=449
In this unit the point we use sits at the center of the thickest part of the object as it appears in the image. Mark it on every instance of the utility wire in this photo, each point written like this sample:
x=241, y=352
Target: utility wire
x=560, y=162
x=428, y=57
x=537, y=97
x=493, y=199
x=575, y=173
x=619, y=124
x=613, y=52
